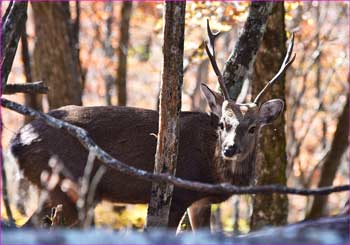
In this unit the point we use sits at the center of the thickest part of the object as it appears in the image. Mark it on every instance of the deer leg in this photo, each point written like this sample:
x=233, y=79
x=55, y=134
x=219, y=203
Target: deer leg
x=39, y=218
x=199, y=216
x=23, y=193
x=175, y=215
x=42, y=216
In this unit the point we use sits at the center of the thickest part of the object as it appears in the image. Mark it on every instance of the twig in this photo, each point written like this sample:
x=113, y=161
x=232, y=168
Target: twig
x=84, y=187
x=301, y=141
x=28, y=88
x=306, y=72
x=57, y=217
x=90, y=197
x=84, y=138
x=87, y=191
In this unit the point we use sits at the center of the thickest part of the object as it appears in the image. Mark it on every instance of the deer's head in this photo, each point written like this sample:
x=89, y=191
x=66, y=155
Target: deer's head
x=239, y=124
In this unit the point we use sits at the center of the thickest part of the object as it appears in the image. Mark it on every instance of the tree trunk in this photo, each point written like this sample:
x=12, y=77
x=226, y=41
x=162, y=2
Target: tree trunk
x=13, y=23
x=31, y=100
x=271, y=159
x=109, y=51
x=243, y=55
x=57, y=62
x=170, y=107
x=76, y=39
x=4, y=187
x=330, y=166
x=198, y=103
x=123, y=53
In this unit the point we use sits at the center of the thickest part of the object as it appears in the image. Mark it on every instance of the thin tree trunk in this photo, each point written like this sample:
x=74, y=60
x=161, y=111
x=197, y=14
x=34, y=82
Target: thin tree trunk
x=76, y=46
x=243, y=56
x=5, y=194
x=215, y=221
x=330, y=166
x=109, y=51
x=271, y=159
x=31, y=100
x=57, y=62
x=13, y=23
x=170, y=107
x=123, y=53
x=198, y=103
x=236, y=210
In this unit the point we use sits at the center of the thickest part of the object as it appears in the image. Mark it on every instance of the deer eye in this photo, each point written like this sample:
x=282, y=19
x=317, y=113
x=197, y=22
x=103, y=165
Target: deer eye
x=251, y=130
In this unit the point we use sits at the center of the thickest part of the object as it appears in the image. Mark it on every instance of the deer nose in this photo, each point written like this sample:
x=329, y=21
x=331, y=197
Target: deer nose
x=230, y=150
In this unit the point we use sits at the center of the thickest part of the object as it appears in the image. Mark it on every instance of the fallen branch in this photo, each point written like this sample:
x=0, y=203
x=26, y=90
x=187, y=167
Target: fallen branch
x=84, y=138
x=28, y=88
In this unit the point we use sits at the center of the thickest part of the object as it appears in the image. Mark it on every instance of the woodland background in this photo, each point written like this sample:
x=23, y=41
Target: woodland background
x=118, y=61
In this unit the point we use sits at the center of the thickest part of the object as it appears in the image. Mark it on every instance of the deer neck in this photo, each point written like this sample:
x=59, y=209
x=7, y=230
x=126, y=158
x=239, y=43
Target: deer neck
x=236, y=172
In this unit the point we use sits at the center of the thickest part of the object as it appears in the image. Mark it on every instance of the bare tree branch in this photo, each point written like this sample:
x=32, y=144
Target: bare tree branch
x=84, y=138
x=28, y=88
x=12, y=26
x=333, y=160
x=297, y=146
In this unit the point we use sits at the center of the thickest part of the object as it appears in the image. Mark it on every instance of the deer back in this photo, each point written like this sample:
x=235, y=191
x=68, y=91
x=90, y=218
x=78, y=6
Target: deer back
x=128, y=134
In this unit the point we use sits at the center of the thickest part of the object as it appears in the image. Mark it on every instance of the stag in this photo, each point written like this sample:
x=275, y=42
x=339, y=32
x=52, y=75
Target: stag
x=215, y=147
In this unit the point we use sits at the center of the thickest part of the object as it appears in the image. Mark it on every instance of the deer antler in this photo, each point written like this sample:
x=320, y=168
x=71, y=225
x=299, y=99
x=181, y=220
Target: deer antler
x=210, y=48
x=286, y=63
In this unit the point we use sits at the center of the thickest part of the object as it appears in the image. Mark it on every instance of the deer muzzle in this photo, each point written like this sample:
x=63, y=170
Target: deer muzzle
x=231, y=150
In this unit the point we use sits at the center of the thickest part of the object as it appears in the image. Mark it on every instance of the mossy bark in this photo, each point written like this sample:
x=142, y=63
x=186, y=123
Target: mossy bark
x=169, y=110
x=271, y=159
x=244, y=54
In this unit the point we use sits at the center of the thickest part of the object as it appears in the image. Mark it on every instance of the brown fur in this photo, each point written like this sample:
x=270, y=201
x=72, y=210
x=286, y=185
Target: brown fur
x=127, y=134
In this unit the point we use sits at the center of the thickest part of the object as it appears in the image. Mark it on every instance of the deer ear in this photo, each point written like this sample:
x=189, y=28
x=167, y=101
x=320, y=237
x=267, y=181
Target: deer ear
x=270, y=110
x=214, y=99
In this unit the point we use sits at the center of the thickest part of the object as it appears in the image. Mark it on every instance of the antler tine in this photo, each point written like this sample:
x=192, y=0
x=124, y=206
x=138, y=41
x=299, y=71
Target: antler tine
x=210, y=48
x=286, y=63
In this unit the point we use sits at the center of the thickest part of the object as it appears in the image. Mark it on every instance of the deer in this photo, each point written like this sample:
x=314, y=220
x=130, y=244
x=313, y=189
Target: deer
x=215, y=147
